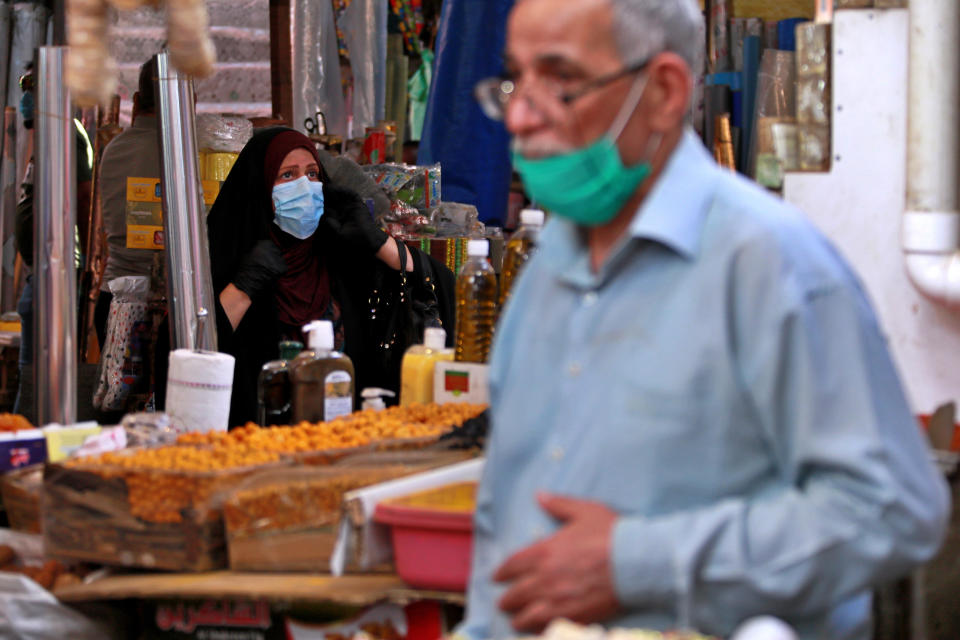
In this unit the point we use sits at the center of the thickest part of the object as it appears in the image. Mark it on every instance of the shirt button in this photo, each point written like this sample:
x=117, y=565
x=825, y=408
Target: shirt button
x=589, y=299
x=557, y=453
x=574, y=369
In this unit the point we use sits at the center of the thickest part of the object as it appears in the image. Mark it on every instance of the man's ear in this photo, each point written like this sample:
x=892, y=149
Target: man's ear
x=669, y=90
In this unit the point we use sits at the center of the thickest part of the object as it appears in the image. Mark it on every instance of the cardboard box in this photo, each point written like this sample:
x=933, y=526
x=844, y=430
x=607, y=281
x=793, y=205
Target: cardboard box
x=22, y=449
x=63, y=441
x=461, y=382
x=145, y=211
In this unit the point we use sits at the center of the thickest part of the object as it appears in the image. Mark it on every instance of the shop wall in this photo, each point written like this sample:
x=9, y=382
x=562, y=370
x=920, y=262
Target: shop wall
x=859, y=204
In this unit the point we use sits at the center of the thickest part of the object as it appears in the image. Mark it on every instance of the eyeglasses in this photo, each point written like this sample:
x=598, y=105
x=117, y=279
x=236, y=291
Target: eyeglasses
x=494, y=94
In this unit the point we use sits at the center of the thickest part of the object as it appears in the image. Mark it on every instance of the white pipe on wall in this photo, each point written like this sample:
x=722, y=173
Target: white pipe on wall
x=931, y=225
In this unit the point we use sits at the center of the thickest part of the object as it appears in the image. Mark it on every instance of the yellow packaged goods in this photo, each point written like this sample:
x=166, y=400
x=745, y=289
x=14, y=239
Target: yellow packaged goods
x=144, y=210
x=217, y=165
x=63, y=441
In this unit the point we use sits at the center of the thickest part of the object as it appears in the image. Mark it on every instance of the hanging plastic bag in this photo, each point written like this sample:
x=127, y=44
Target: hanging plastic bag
x=364, y=26
x=124, y=359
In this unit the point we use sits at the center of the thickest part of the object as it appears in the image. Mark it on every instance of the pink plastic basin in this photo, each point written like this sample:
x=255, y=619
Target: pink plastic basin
x=431, y=548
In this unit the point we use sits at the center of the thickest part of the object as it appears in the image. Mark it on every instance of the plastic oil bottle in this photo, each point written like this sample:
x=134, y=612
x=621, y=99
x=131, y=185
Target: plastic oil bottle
x=274, y=390
x=416, y=372
x=476, y=304
x=520, y=248
x=322, y=378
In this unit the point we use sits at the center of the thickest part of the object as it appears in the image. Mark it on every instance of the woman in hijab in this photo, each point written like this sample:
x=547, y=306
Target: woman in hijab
x=287, y=247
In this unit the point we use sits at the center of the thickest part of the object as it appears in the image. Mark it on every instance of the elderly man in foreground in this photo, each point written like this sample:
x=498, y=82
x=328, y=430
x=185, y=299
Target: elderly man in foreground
x=696, y=419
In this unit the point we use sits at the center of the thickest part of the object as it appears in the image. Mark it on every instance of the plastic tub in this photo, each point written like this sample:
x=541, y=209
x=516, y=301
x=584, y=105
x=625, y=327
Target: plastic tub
x=432, y=535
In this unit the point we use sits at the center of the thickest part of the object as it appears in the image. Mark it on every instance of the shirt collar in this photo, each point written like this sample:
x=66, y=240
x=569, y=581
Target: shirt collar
x=673, y=212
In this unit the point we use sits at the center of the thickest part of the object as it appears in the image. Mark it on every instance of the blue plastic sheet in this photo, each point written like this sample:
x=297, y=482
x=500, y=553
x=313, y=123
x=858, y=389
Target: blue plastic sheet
x=472, y=149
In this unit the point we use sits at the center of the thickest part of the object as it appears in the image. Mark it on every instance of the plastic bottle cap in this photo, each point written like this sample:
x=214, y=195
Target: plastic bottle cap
x=289, y=349
x=321, y=334
x=377, y=392
x=532, y=217
x=478, y=248
x=373, y=398
x=434, y=338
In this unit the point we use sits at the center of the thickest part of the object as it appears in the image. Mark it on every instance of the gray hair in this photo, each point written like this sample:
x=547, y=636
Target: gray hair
x=643, y=28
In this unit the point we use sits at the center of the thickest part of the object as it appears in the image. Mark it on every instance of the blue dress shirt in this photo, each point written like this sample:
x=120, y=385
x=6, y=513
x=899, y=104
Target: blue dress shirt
x=722, y=383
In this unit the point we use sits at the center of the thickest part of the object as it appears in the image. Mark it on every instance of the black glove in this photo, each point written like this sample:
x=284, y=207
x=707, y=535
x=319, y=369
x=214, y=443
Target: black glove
x=346, y=215
x=260, y=268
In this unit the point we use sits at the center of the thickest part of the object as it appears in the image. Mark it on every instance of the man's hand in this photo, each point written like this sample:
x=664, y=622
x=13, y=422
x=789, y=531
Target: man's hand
x=568, y=575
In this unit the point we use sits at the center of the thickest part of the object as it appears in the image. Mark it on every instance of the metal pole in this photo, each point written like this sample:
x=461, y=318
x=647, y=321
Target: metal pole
x=55, y=273
x=189, y=283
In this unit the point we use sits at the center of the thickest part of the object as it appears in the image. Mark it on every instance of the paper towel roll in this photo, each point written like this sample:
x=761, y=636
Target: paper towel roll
x=199, y=384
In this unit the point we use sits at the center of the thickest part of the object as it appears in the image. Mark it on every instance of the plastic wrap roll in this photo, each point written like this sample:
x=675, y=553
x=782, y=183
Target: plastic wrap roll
x=199, y=384
x=217, y=165
x=316, y=66
x=364, y=26
x=222, y=133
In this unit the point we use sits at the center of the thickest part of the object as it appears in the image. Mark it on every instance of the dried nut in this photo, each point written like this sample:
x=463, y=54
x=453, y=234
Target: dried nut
x=66, y=580
x=7, y=554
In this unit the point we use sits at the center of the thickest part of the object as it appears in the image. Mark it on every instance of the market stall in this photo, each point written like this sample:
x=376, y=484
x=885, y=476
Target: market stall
x=294, y=528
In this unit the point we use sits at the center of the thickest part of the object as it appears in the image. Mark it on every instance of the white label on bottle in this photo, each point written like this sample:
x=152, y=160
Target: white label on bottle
x=337, y=394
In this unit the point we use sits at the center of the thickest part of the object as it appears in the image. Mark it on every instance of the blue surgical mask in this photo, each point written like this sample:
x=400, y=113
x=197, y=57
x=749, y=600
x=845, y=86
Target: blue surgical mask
x=298, y=206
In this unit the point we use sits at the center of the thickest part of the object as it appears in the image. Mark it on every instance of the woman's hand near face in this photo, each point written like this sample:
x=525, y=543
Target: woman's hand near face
x=348, y=217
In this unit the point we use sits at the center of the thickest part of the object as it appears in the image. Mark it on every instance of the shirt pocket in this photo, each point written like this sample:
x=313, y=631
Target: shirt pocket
x=658, y=452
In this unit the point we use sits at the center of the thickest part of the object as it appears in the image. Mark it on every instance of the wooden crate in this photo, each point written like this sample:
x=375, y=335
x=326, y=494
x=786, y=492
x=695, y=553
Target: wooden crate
x=288, y=519
x=21, y=498
x=87, y=517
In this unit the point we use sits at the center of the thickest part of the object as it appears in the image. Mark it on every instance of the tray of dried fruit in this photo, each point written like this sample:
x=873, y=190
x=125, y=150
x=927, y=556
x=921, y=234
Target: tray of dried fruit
x=410, y=427
x=158, y=508
x=287, y=519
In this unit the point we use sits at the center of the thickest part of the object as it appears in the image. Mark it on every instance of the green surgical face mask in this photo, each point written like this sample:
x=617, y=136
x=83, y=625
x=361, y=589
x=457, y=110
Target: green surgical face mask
x=588, y=186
